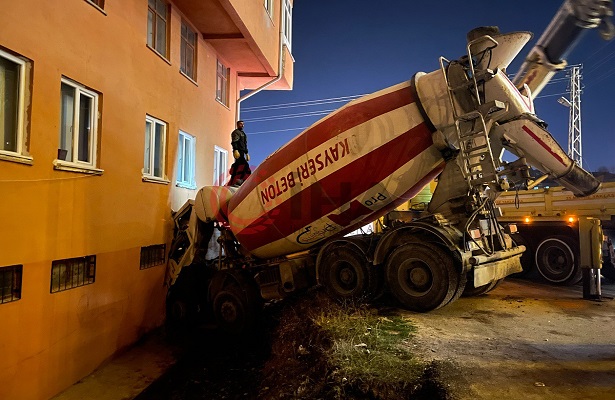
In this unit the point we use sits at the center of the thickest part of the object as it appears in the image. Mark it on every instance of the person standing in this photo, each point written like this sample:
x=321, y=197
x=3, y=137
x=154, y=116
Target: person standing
x=239, y=141
x=240, y=169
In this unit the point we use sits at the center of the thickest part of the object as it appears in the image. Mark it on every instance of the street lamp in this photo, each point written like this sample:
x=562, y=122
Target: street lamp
x=565, y=102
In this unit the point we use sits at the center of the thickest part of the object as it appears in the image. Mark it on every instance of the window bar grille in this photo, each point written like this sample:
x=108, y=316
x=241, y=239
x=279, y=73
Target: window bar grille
x=152, y=256
x=10, y=283
x=72, y=273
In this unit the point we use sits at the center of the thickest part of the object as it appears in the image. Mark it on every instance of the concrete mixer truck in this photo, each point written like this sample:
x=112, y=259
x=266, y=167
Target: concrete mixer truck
x=283, y=229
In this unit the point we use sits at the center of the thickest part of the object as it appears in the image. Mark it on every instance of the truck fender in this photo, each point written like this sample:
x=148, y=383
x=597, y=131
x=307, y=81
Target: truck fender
x=360, y=245
x=445, y=236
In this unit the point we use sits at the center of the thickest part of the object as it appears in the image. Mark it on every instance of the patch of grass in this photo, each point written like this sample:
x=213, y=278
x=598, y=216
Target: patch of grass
x=368, y=347
x=323, y=350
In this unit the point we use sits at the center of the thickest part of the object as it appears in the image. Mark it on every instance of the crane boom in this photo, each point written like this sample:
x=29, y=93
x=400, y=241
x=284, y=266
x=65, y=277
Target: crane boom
x=549, y=54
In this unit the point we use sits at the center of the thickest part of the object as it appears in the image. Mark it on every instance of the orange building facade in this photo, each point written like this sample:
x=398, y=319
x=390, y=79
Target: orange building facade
x=112, y=114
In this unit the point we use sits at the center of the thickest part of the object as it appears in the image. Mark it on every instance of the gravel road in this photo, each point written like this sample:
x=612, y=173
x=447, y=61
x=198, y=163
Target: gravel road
x=524, y=340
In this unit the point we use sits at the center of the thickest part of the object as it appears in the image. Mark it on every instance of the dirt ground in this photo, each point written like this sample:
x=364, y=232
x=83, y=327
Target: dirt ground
x=523, y=340
x=526, y=341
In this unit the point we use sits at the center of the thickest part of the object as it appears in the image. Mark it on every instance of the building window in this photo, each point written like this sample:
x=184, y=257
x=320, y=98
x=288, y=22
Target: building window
x=220, y=163
x=157, y=15
x=72, y=272
x=188, y=52
x=152, y=256
x=155, y=147
x=12, y=104
x=222, y=84
x=98, y=3
x=10, y=283
x=185, y=160
x=269, y=6
x=78, y=124
x=287, y=21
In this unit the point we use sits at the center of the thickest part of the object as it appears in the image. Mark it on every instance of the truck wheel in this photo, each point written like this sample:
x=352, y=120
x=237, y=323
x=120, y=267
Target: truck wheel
x=345, y=274
x=182, y=304
x=419, y=277
x=178, y=310
x=556, y=260
x=233, y=311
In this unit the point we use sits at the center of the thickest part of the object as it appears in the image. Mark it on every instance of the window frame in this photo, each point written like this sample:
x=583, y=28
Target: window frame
x=156, y=15
x=218, y=152
x=98, y=4
x=287, y=24
x=188, y=182
x=222, y=75
x=269, y=7
x=184, y=44
x=16, y=283
x=152, y=256
x=89, y=273
x=79, y=90
x=148, y=176
x=21, y=107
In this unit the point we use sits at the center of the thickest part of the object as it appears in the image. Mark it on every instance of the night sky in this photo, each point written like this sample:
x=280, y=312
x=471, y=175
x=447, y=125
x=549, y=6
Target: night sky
x=351, y=47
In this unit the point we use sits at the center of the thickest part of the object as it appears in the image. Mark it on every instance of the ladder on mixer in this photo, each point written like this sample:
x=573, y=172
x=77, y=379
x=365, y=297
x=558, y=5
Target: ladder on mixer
x=477, y=162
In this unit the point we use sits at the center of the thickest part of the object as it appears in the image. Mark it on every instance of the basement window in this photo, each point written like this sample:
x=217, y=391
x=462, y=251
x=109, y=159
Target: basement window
x=10, y=283
x=72, y=272
x=153, y=255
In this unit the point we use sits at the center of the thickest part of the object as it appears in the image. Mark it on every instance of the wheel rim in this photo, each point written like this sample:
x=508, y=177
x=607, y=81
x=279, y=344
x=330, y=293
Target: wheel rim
x=421, y=276
x=344, y=273
x=415, y=277
x=229, y=311
x=344, y=277
x=555, y=260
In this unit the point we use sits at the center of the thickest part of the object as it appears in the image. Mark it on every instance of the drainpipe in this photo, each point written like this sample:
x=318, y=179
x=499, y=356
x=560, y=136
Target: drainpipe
x=280, y=68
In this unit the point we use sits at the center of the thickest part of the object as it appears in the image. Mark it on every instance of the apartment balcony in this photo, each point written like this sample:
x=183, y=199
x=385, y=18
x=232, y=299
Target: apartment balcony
x=244, y=35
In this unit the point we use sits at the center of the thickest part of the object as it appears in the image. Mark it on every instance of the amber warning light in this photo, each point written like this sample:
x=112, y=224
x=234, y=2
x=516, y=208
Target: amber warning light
x=527, y=220
x=571, y=219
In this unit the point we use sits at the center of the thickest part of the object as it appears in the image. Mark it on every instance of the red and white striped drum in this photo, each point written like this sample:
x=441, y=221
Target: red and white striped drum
x=344, y=171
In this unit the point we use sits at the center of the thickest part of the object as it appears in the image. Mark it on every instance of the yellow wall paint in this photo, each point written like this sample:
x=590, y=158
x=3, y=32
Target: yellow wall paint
x=49, y=341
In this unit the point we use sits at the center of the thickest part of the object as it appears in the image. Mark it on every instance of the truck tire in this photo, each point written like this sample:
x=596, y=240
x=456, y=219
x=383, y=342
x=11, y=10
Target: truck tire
x=556, y=260
x=421, y=277
x=345, y=273
x=233, y=311
x=182, y=301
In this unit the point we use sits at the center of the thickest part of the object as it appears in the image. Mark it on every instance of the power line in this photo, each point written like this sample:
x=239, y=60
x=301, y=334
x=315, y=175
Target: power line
x=275, y=131
x=550, y=95
x=285, y=116
x=302, y=103
x=602, y=61
x=601, y=77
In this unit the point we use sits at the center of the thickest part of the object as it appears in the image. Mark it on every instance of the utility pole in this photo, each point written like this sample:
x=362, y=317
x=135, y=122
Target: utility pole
x=575, y=148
